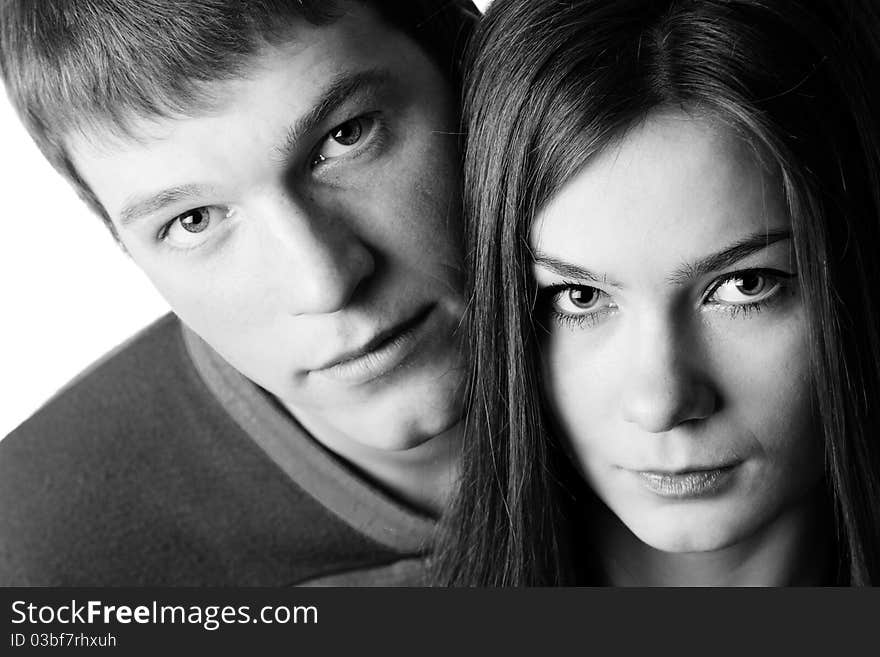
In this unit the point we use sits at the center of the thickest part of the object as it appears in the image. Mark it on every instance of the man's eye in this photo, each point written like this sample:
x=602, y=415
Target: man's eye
x=192, y=228
x=343, y=139
x=195, y=221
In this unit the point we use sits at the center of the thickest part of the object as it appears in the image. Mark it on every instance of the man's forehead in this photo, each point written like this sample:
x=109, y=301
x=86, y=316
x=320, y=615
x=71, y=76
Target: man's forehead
x=306, y=56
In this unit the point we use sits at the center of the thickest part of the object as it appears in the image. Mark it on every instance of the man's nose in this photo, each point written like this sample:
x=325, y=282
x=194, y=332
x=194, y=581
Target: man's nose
x=321, y=258
x=667, y=384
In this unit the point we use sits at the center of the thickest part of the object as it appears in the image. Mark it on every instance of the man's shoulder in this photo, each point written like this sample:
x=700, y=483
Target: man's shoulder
x=80, y=468
x=122, y=379
x=128, y=391
x=108, y=395
x=135, y=474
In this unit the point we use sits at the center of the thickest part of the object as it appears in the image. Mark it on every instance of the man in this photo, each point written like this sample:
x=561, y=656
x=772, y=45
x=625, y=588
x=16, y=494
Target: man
x=286, y=176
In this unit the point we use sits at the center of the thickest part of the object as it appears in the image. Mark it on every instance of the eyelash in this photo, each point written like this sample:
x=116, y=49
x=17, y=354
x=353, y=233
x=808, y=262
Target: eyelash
x=745, y=310
x=162, y=236
x=373, y=139
x=588, y=320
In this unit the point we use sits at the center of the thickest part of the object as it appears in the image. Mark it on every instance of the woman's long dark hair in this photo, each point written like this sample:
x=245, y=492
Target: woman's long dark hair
x=552, y=84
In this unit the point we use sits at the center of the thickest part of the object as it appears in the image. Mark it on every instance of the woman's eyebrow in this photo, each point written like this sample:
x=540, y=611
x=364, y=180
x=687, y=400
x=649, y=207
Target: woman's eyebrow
x=720, y=260
x=729, y=256
x=569, y=270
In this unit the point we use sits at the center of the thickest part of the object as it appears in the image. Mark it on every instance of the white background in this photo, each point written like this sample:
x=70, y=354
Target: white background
x=68, y=294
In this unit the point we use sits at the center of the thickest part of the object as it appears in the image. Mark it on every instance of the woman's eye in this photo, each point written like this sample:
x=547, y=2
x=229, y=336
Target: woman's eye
x=343, y=139
x=191, y=228
x=577, y=300
x=746, y=288
x=577, y=306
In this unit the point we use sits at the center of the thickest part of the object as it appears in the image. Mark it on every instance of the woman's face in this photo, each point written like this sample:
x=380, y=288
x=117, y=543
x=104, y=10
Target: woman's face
x=676, y=353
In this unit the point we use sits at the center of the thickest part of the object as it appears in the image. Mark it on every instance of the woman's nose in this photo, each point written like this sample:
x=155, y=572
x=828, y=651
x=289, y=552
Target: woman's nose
x=668, y=384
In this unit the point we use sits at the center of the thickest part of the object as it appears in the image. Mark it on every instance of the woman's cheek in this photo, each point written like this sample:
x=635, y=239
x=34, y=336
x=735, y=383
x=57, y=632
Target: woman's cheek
x=578, y=388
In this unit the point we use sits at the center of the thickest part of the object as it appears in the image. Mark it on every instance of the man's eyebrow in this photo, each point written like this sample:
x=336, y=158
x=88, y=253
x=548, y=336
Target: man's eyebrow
x=341, y=88
x=729, y=256
x=140, y=207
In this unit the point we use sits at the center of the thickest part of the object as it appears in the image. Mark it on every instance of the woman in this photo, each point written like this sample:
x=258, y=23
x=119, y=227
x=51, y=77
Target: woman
x=674, y=220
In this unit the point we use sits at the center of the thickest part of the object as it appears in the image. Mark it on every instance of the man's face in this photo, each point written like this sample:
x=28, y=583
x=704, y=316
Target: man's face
x=307, y=229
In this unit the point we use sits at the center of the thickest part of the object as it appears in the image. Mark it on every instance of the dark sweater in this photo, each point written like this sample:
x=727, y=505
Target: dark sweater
x=162, y=465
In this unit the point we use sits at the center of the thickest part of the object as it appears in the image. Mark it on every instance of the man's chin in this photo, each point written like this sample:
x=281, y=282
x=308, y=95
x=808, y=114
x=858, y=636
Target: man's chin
x=394, y=420
x=411, y=413
x=403, y=434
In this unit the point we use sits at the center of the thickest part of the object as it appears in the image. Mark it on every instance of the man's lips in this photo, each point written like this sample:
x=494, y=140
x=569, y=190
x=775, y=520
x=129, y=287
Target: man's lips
x=378, y=341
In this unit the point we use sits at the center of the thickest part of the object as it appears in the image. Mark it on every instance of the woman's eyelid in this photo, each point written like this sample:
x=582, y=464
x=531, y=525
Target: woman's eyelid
x=776, y=276
x=558, y=292
x=554, y=282
x=554, y=291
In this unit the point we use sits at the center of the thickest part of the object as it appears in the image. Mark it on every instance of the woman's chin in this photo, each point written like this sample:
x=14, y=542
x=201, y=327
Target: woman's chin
x=687, y=530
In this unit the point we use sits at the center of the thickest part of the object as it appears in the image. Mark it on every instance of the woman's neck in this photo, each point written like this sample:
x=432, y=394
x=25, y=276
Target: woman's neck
x=792, y=550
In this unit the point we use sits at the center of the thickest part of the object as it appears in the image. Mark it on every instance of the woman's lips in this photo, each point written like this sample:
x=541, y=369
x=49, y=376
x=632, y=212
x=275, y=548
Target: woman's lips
x=687, y=484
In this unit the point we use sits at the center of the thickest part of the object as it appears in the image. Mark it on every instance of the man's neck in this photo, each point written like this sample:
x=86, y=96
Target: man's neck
x=792, y=550
x=421, y=477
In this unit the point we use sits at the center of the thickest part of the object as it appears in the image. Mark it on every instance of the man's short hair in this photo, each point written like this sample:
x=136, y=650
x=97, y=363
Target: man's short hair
x=86, y=65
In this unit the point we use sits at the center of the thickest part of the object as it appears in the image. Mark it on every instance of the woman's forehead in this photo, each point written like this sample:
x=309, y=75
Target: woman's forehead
x=674, y=189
